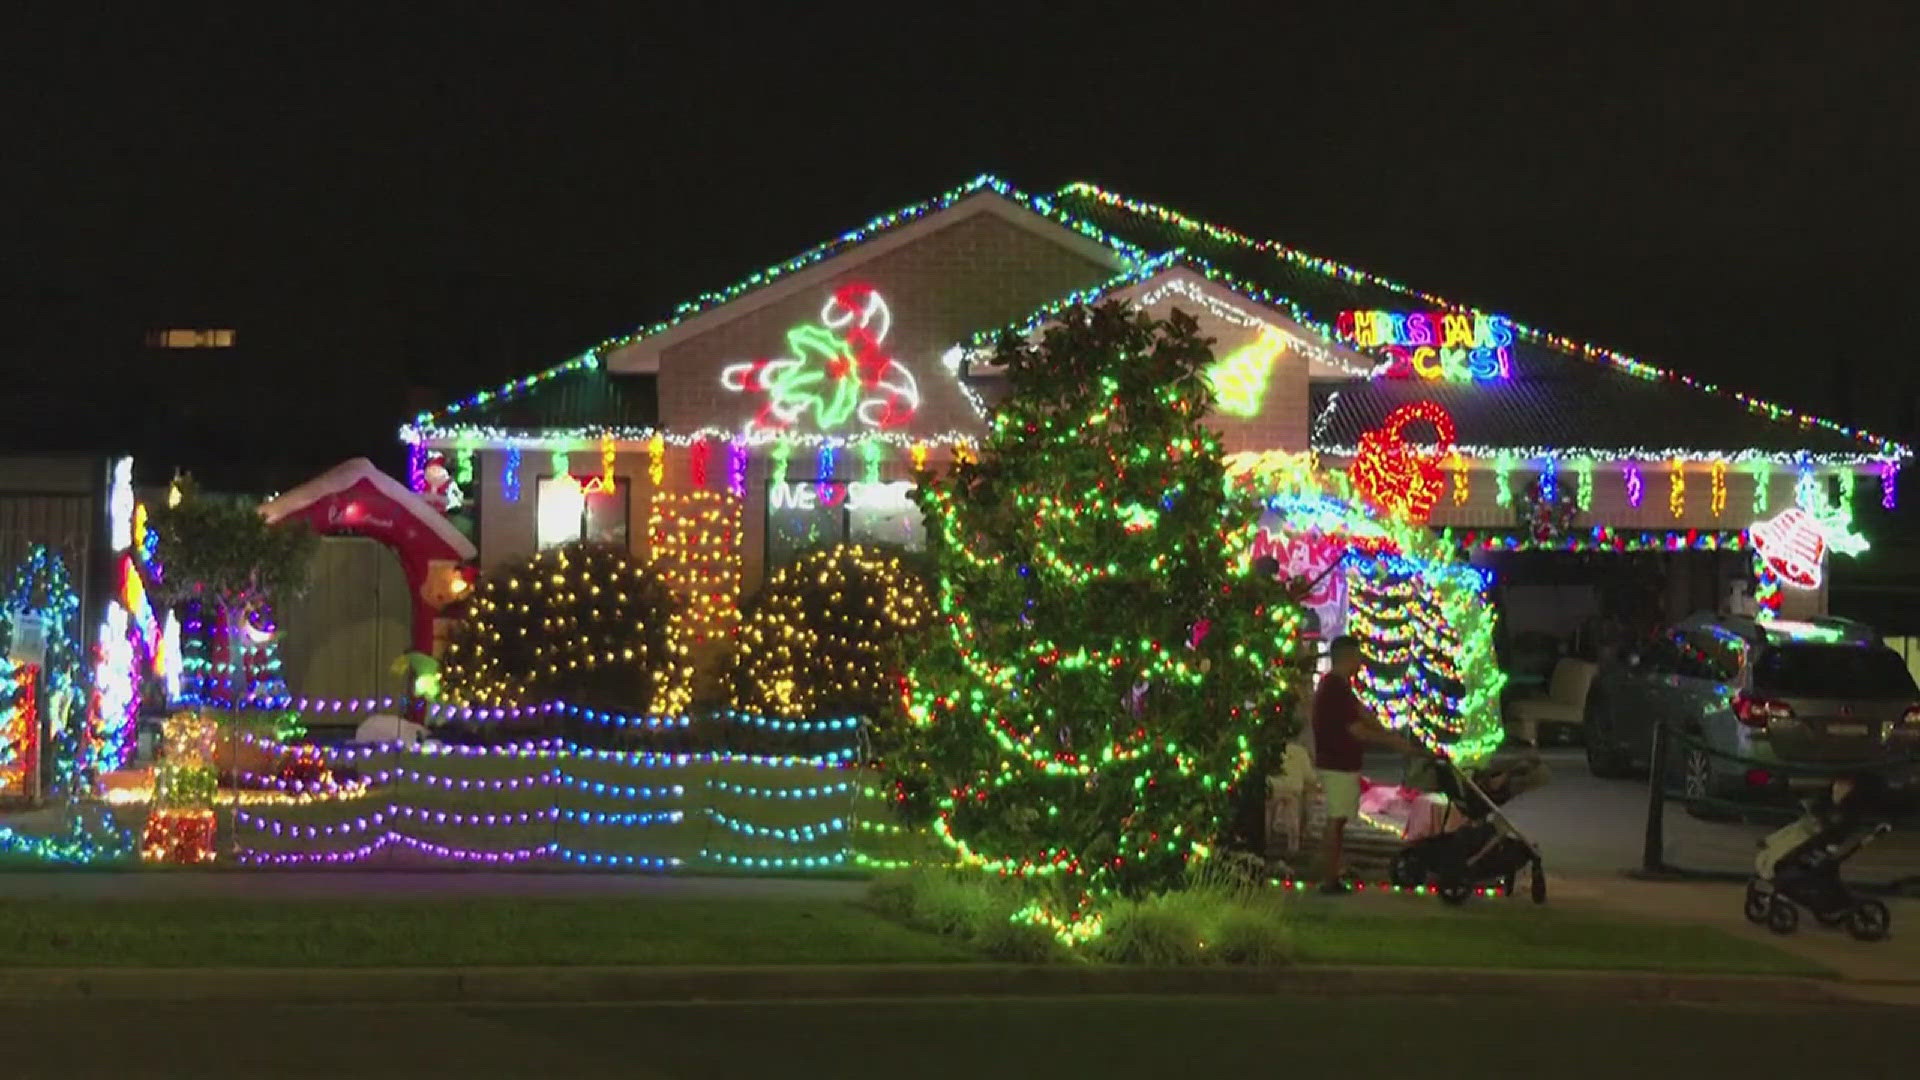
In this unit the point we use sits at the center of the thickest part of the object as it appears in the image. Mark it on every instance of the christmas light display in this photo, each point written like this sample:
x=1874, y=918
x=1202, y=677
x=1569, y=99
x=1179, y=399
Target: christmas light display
x=1874, y=447
x=1239, y=379
x=1636, y=486
x=836, y=372
x=1545, y=512
x=656, y=458
x=578, y=622
x=1502, y=486
x=1585, y=494
x=1423, y=605
x=1601, y=540
x=1456, y=346
x=1071, y=728
x=510, y=475
x=1397, y=477
x=695, y=539
x=42, y=588
x=1718, y=496
x=697, y=463
x=20, y=728
x=1762, y=481
x=819, y=637
x=1889, y=484
x=1792, y=546
x=180, y=827
x=1677, y=486
x=1461, y=490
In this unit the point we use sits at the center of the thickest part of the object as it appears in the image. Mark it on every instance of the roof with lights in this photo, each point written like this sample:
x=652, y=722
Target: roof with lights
x=1565, y=398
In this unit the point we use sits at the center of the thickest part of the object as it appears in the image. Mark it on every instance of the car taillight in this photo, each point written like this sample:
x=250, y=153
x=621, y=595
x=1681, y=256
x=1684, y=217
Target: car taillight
x=1758, y=712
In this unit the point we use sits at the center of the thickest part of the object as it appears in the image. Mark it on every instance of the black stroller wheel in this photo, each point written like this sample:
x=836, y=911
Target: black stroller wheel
x=1455, y=892
x=1869, y=921
x=1407, y=870
x=1757, y=905
x=1782, y=917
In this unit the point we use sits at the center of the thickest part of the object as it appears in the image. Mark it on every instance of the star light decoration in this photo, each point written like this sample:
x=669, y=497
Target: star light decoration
x=1396, y=477
x=836, y=372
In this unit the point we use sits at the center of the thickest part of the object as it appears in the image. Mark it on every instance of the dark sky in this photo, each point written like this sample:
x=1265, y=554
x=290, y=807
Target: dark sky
x=402, y=197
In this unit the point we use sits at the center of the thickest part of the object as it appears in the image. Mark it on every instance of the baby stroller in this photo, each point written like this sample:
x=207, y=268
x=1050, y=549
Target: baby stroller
x=1487, y=850
x=1799, y=866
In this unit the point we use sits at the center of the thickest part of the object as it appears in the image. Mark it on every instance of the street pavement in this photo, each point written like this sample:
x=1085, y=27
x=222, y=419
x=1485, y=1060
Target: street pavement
x=1420, y=1036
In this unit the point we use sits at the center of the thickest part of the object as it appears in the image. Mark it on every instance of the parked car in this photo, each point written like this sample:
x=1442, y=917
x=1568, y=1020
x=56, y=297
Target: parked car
x=1784, y=692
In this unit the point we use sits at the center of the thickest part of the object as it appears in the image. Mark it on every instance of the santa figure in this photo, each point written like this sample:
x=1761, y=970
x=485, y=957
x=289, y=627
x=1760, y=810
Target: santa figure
x=440, y=491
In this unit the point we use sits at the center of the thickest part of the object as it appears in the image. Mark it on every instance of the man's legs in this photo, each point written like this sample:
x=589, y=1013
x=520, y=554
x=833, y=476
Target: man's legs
x=1331, y=856
x=1342, y=791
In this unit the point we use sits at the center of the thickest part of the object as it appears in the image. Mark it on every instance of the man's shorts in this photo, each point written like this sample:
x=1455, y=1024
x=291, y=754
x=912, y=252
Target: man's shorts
x=1343, y=794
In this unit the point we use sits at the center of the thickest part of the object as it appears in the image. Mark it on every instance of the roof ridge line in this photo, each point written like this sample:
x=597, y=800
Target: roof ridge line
x=1598, y=355
x=820, y=252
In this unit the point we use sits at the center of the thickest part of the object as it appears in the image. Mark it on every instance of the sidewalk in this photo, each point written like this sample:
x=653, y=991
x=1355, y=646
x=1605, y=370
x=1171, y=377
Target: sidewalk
x=1886, y=971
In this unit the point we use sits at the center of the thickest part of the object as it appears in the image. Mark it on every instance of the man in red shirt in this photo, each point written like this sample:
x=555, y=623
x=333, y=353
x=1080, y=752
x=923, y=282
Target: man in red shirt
x=1342, y=729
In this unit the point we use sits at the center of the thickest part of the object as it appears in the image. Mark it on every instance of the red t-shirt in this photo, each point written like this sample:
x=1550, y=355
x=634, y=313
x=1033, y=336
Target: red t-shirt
x=1335, y=710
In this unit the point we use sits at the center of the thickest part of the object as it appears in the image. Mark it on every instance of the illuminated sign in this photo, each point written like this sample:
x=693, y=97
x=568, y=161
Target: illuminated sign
x=1438, y=345
x=835, y=373
x=858, y=495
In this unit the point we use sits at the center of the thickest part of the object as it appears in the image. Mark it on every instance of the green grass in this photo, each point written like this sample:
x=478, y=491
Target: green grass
x=1514, y=934
x=437, y=931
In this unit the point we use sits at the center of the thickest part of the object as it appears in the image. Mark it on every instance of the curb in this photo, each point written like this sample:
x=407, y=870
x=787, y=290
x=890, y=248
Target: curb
x=532, y=986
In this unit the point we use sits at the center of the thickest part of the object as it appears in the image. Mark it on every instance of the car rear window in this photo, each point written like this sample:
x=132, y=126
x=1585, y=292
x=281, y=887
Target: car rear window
x=1833, y=671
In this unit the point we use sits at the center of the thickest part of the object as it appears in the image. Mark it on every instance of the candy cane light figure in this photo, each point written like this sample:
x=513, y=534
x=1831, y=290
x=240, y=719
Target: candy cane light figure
x=837, y=372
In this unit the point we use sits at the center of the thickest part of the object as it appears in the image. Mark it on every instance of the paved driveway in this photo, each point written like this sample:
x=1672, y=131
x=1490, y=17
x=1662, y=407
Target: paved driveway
x=1588, y=826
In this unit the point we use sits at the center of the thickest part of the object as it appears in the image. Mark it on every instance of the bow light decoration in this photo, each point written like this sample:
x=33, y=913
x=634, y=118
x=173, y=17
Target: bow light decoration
x=1396, y=477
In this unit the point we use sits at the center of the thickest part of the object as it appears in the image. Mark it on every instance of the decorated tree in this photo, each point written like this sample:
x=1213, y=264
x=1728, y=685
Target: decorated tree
x=1105, y=666
x=580, y=623
x=820, y=641
x=228, y=569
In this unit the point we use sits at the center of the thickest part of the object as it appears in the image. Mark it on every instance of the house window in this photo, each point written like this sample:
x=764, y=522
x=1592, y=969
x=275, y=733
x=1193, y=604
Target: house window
x=569, y=509
x=807, y=514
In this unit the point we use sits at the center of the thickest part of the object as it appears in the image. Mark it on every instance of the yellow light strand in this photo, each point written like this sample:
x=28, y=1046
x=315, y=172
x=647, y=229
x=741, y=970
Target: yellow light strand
x=1677, y=486
x=1719, y=501
x=1460, y=489
x=657, y=460
x=606, y=461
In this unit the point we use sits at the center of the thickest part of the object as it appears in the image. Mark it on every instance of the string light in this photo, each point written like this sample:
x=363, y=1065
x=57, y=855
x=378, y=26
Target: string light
x=1762, y=484
x=657, y=460
x=1889, y=484
x=1239, y=379
x=819, y=640
x=696, y=541
x=1396, y=477
x=1076, y=194
x=1502, y=489
x=1585, y=497
x=41, y=587
x=1446, y=345
x=575, y=615
x=510, y=476
x=697, y=463
x=1718, y=501
x=1636, y=486
x=1677, y=487
x=737, y=469
x=1460, y=490
x=607, y=457
x=181, y=825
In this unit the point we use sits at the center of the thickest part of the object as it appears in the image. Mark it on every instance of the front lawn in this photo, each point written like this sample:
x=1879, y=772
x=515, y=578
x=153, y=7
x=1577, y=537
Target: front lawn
x=1419, y=932
x=439, y=930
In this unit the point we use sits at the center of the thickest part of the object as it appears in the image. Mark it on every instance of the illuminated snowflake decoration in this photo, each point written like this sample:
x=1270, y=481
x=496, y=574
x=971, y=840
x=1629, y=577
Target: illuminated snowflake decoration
x=836, y=373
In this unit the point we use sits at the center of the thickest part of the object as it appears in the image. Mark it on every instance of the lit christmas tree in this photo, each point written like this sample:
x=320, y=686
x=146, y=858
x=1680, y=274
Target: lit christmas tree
x=1106, y=668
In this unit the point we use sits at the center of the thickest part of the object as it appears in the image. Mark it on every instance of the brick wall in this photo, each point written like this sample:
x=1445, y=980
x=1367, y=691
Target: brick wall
x=978, y=272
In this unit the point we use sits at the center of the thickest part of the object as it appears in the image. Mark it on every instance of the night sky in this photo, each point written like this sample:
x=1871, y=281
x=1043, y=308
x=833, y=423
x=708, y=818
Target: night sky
x=395, y=209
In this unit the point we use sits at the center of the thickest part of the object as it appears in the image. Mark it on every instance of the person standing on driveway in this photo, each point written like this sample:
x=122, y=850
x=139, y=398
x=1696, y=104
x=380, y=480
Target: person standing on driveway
x=1342, y=729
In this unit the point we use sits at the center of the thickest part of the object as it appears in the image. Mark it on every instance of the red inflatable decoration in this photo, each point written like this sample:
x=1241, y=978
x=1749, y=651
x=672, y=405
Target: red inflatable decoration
x=1396, y=477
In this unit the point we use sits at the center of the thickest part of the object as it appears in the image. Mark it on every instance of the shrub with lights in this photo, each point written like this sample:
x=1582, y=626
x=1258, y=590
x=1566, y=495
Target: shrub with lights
x=181, y=826
x=822, y=638
x=581, y=623
x=1105, y=666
